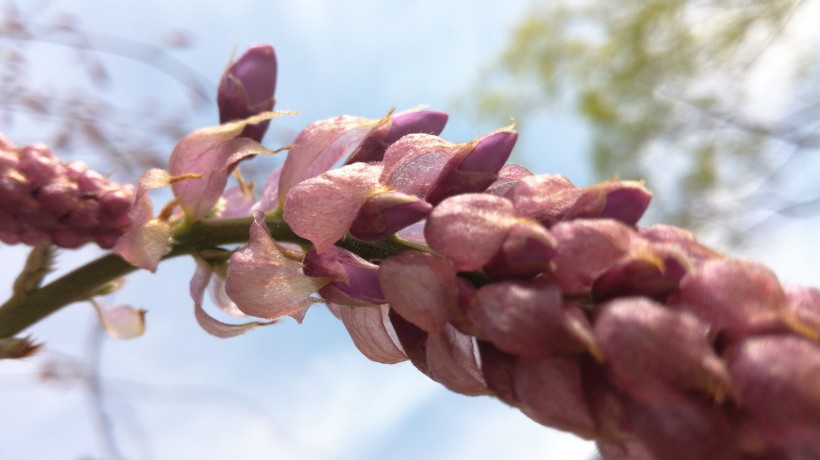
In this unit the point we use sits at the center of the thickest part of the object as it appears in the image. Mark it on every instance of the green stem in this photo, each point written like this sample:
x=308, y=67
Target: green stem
x=21, y=312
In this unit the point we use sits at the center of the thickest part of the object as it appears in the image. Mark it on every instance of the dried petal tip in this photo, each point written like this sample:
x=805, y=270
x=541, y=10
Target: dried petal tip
x=18, y=348
x=247, y=88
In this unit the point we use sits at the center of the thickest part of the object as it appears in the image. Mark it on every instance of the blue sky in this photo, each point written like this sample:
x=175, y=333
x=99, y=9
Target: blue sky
x=298, y=391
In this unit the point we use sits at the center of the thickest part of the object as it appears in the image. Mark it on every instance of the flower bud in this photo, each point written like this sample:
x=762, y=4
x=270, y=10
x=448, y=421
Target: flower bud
x=247, y=88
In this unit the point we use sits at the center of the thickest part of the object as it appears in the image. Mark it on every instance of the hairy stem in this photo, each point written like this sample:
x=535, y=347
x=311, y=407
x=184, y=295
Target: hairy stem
x=21, y=312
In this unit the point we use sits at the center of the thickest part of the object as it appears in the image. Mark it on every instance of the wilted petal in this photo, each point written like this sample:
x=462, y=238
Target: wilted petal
x=529, y=319
x=263, y=282
x=469, y=229
x=737, y=297
x=121, y=321
x=372, y=333
x=320, y=145
x=211, y=152
x=398, y=126
x=420, y=287
x=451, y=359
x=149, y=239
x=386, y=213
x=654, y=354
x=211, y=325
x=321, y=209
x=412, y=339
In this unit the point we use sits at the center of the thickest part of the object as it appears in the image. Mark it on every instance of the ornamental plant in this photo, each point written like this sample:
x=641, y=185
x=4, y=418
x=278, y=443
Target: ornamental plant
x=490, y=279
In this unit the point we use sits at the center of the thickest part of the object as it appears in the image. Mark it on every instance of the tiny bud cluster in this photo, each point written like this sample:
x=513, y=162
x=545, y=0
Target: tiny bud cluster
x=66, y=204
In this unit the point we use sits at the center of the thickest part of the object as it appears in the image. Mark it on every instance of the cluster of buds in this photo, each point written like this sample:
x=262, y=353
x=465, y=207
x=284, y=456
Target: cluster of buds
x=45, y=201
x=490, y=279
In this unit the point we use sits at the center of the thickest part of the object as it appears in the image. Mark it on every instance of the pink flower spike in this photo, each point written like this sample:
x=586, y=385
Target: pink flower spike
x=208, y=323
x=321, y=209
x=247, y=88
x=320, y=145
x=211, y=152
x=263, y=282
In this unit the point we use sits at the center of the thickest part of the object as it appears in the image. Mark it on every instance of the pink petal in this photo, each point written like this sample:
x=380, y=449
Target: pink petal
x=372, y=333
x=413, y=163
x=320, y=145
x=211, y=325
x=585, y=248
x=551, y=393
x=451, y=359
x=211, y=152
x=529, y=319
x=237, y=202
x=121, y=321
x=654, y=354
x=420, y=287
x=269, y=201
x=321, y=209
x=737, y=297
x=469, y=229
x=265, y=283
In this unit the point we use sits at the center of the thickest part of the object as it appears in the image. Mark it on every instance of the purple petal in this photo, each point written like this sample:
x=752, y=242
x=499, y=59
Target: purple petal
x=386, y=213
x=355, y=281
x=247, y=88
x=527, y=250
x=472, y=170
x=263, y=282
x=321, y=209
x=400, y=125
x=149, y=239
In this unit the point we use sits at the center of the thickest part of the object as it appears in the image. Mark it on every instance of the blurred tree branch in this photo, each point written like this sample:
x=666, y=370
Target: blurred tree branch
x=712, y=102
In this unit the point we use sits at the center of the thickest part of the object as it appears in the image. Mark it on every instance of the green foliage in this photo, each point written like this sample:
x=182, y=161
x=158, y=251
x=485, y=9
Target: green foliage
x=665, y=86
